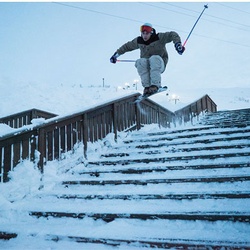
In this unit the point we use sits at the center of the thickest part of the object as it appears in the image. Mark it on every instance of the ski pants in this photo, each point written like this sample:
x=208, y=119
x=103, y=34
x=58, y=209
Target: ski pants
x=150, y=70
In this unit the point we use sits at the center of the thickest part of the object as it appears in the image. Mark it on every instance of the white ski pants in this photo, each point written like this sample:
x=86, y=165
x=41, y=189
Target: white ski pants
x=150, y=70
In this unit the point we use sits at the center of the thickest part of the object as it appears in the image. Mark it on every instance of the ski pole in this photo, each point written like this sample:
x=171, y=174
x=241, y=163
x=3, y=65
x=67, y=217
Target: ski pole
x=205, y=7
x=126, y=60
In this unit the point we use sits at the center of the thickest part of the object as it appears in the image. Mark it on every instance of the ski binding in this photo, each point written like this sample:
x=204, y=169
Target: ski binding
x=143, y=97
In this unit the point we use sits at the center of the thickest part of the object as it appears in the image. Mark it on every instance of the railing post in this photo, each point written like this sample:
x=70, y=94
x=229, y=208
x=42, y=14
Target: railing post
x=158, y=117
x=41, y=148
x=85, y=134
x=115, y=119
x=6, y=162
x=137, y=117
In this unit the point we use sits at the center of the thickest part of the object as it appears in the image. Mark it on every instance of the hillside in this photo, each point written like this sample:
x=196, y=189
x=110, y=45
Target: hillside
x=62, y=99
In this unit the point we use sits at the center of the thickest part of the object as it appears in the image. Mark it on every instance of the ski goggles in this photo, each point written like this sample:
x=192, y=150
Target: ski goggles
x=146, y=28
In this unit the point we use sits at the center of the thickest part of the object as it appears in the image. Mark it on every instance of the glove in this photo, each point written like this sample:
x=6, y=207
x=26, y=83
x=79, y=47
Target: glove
x=113, y=58
x=179, y=48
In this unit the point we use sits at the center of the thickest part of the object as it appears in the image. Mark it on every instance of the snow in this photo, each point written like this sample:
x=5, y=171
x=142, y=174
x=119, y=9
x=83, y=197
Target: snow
x=66, y=99
x=5, y=129
x=24, y=187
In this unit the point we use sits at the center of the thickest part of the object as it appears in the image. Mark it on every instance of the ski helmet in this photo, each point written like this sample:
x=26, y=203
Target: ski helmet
x=147, y=27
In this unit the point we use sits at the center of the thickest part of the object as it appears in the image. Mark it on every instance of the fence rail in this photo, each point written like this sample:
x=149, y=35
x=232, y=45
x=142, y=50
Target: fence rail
x=21, y=119
x=189, y=112
x=59, y=134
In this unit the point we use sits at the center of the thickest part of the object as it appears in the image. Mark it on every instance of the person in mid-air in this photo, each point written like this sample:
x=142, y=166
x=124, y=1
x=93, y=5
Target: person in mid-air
x=153, y=55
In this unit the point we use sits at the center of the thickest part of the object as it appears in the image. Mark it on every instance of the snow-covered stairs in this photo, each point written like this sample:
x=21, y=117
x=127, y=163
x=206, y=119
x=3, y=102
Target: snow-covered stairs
x=240, y=117
x=179, y=189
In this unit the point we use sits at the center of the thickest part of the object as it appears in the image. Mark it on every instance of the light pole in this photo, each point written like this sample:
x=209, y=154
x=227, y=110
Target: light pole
x=127, y=85
x=175, y=98
x=135, y=83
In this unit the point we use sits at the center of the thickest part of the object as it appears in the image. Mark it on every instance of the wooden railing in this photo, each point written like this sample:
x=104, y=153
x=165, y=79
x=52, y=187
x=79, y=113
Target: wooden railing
x=21, y=119
x=59, y=134
x=189, y=112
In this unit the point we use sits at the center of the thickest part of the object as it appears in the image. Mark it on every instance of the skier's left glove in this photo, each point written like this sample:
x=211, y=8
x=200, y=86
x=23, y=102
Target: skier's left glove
x=113, y=58
x=179, y=48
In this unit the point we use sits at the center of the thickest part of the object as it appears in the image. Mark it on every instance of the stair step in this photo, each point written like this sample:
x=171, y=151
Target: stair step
x=157, y=143
x=155, y=169
x=108, y=217
x=108, y=174
x=7, y=235
x=228, y=118
x=158, y=181
x=155, y=189
x=171, y=158
x=179, y=149
x=210, y=130
x=169, y=136
x=155, y=243
x=188, y=196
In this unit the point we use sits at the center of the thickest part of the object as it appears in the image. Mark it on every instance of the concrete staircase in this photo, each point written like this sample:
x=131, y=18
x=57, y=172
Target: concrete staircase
x=180, y=189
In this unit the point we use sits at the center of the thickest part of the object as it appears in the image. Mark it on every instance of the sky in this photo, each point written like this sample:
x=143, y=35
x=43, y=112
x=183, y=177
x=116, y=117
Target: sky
x=51, y=43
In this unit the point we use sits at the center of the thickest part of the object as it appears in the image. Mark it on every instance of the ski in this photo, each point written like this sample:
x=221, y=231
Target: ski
x=143, y=97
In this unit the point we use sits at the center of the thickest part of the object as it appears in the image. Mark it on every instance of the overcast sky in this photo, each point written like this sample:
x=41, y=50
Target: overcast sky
x=71, y=43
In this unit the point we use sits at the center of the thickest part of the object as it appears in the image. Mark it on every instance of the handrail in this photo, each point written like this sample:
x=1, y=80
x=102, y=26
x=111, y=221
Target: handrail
x=186, y=114
x=21, y=119
x=58, y=135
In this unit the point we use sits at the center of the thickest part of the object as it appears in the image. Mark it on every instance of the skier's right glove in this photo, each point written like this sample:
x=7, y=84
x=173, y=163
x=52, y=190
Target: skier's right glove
x=179, y=48
x=113, y=58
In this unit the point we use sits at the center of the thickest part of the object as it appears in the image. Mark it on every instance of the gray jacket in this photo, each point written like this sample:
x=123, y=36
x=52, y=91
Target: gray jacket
x=156, y=45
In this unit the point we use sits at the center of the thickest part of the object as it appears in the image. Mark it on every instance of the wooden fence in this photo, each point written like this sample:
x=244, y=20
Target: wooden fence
x=58, y=135
x=24, y=118
x=189, y=112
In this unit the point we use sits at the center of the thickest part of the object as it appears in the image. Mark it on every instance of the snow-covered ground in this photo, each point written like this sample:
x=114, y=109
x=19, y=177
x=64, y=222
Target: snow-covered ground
x=64, y=99
x=25, y=179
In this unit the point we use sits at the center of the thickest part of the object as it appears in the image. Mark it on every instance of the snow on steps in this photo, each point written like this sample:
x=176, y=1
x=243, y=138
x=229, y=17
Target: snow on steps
x=239, y=117
x=185, y=189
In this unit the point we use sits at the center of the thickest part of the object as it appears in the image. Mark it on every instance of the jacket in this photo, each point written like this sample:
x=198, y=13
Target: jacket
x=156, y=45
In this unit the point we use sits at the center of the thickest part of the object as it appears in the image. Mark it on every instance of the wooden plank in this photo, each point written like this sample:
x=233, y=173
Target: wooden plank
x=62, y=139
x=42, y=148
x=74, y=133
x=114, y=120
x=56, y=143
x=85, y=128
x=162, y=243
x=17, y=153
x=158, y=181
x=189, y=196
x=7, y=235
x=69, y=137
x=33, y=148
x=108, y=217
x=6, y=162
x=1, y=165
x=49, y=139
x=25, y=149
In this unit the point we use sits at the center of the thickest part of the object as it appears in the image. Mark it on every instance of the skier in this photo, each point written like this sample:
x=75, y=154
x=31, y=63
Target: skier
x=153, y=55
